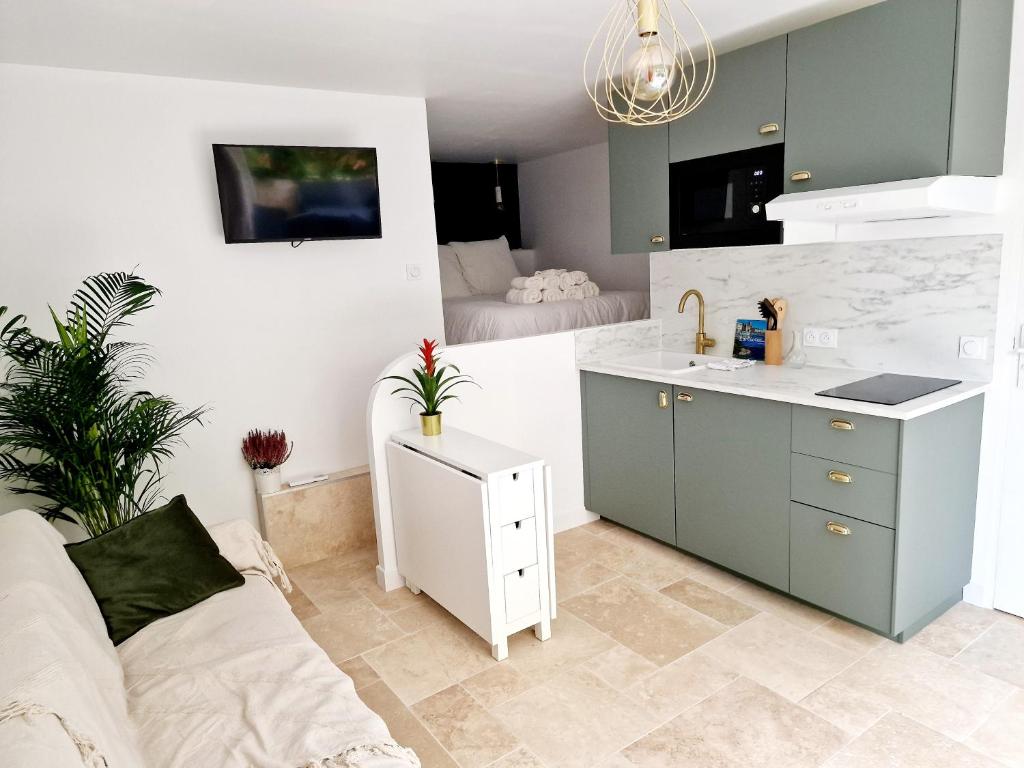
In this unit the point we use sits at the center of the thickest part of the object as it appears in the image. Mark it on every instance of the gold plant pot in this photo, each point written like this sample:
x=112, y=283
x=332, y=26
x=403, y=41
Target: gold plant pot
x=431, y=424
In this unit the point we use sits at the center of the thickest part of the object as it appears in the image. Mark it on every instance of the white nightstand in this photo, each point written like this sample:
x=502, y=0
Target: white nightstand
x=473, y=530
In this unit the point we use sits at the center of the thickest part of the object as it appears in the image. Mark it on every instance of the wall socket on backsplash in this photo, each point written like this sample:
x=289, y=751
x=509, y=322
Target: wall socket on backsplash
x=821, y=337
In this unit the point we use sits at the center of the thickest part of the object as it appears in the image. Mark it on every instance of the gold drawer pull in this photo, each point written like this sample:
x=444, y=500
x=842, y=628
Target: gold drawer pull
x=840, y=477
x=842, y=424
x=838, y=529
x=663, y=399
x=800, y=176
x=684, y=397
x=657, y=239
x=768, y=128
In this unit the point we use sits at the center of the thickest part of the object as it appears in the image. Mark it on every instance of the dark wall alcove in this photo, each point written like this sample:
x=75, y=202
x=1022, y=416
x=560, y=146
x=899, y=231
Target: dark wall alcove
x=464, y=205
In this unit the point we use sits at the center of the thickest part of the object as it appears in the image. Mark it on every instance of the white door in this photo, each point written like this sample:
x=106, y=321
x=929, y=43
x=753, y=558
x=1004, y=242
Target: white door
x=1009, y=589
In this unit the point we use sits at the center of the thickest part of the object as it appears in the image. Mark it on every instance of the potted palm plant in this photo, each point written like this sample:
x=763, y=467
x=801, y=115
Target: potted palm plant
x=265, y=452
x=73, y=429
x=432, y=388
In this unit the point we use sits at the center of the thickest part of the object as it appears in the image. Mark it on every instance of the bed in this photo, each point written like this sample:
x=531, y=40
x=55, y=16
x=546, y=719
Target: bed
x=475, y=310
x=488, y=318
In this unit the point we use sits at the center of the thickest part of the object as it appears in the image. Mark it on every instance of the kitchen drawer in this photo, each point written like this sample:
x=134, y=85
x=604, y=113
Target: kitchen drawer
x=518, y=545
x=522, y=593
x=850, y=575
x=515, y=497
x=866, y=441
x=865, y=494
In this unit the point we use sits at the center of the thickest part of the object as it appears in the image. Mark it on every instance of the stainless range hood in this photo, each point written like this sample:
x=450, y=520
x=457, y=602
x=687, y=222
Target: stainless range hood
x=934, y=197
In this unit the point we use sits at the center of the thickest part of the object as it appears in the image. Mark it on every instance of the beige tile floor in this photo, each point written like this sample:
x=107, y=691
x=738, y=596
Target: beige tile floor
x=658, y=659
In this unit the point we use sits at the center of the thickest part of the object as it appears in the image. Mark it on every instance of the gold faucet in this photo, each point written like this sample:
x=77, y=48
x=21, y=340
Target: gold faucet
x=703, y=340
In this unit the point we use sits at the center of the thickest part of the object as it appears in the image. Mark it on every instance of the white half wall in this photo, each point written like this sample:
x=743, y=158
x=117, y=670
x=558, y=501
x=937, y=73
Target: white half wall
x=106, y=172
x=528, y=399
x=565, y=213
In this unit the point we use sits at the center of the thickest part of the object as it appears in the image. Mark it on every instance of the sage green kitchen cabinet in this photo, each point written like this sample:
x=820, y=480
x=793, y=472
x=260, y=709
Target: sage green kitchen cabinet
x=745, y=109
x=892, y=92
x=732, y=482
x=628, y=453
x=638, y=174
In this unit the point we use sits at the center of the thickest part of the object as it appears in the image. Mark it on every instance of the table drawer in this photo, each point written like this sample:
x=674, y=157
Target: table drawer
x=850, y=574
x=866, y=441
x=865, y=494
x=515, y=497
x=519, y=545
x=522, y=593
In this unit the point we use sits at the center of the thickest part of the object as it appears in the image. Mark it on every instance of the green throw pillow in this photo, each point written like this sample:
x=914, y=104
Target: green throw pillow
x=153, y=566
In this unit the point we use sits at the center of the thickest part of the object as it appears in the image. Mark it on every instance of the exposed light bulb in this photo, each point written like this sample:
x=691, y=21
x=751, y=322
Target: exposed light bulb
x=650, y=71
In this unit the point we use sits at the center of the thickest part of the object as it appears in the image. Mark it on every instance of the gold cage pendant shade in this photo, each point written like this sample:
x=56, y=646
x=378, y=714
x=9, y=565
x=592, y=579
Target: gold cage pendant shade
x=640, y=69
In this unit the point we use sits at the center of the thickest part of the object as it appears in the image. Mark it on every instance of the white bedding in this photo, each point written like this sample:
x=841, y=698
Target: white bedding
x=488, y=318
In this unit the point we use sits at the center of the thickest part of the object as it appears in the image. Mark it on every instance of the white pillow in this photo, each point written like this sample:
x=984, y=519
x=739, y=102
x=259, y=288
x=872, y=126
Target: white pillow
x=453, y=283
x=487, y=264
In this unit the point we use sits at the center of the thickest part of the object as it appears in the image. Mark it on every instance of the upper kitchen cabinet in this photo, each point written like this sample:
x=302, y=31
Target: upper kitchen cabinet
x=745, y=109
x=893, y=92
x=638, y=171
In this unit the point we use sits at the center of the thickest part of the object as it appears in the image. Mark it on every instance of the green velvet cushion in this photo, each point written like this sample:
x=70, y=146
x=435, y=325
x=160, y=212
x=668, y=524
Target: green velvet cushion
x=153, y=566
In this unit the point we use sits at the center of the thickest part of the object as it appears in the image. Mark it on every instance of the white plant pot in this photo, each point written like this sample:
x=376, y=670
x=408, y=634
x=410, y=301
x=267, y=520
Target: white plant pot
x=267, y=480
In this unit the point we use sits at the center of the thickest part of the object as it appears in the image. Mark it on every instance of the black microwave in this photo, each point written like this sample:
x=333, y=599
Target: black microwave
x=720, y=200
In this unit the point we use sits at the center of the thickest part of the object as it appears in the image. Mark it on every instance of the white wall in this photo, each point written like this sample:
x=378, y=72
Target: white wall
x=107, y=171
x=566, y=217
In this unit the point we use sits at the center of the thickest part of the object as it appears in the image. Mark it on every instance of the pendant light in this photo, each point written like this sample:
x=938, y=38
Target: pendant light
x=498, y=202
x=640, y=69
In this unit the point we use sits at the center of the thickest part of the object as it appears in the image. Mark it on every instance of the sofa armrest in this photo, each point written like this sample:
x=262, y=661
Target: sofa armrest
x=526, y=261
x=242, y=546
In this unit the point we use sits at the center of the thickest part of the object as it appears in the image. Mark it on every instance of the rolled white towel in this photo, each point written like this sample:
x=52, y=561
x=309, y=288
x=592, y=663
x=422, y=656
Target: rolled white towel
x=590, y=290
x=579, y=277
x=550, y=272
x=552, y=283
x=523, y=296
x=552, y=294
x=574, y=292
x=522, y=283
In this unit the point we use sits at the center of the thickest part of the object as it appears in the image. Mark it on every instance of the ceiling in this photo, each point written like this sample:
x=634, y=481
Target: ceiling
x=501, y=78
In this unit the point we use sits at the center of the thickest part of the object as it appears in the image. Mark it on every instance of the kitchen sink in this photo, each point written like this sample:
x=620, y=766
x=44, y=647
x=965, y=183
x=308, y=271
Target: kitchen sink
x=663, y=361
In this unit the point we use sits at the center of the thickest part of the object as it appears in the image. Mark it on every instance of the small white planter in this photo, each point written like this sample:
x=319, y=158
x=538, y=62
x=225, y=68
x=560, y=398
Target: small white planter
x=267, y=480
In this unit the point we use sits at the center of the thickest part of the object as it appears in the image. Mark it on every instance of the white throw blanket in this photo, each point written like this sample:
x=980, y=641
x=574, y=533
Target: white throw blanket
x=242, y=546
x=523, y=296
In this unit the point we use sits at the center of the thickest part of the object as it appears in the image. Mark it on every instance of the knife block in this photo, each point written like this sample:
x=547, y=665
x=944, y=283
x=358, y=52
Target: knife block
x=773, y=347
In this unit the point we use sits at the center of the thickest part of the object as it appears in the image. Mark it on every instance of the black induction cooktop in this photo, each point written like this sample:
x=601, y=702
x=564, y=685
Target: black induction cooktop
x=888, y=389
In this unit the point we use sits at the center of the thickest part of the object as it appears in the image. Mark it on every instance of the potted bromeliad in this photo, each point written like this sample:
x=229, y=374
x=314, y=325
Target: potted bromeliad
x=265, y=452
x=432, y=388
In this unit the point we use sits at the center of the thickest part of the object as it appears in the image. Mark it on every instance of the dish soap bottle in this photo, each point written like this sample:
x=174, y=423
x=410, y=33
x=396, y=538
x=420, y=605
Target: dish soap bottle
x=797, y=358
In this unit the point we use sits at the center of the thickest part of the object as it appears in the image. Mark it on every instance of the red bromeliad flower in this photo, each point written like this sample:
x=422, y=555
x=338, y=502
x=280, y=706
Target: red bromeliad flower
x=427, y=355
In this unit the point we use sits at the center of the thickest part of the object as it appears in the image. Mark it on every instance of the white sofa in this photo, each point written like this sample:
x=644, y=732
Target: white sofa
x=232, y=681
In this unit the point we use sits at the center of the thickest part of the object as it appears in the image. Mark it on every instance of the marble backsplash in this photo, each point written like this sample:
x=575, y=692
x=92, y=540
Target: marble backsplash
x=899, y=305
x=603, y=342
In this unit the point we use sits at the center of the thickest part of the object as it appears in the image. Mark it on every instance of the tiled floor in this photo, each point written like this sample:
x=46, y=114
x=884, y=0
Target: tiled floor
x=657, y=659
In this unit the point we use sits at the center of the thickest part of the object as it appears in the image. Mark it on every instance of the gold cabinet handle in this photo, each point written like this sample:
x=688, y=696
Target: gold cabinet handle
x=768, y=128
x=838, y=528
x=657, y=239
x=663, y=399
x=840, y=477
x=842, y=425
x=684, y=397
x=800, y=176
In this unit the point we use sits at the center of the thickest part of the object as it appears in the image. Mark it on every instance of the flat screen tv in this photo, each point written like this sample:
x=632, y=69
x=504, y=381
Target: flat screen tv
x=272, y=193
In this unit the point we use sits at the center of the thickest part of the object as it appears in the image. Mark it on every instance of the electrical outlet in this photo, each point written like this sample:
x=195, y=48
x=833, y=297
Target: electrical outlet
x=821, y=337
x=973, y=347
x=413, y=272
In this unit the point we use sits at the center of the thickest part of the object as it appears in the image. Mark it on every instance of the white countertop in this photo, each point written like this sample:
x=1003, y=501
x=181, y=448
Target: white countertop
x=797, y=386
x=467, y=452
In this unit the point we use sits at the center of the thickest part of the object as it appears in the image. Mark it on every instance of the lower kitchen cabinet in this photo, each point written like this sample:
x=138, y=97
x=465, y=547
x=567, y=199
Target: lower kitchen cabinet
x=732, y=482
x=869, y=518
x=628, y=454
